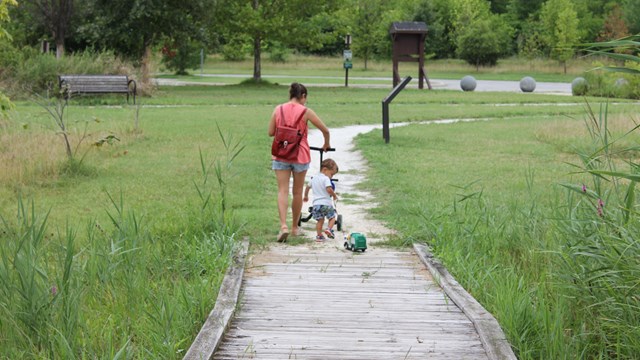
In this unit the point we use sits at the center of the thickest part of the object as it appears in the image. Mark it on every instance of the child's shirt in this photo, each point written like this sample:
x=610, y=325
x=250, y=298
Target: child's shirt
x=319, y=184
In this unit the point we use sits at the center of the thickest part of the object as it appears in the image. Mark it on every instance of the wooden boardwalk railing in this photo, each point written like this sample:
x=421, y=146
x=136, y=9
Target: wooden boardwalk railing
x=319, y=301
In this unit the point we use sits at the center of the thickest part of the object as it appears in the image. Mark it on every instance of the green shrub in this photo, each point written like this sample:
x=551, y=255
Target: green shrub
x=611, y=84
x=278, y=53
x=234, y=51
x=181, y=55
x=38, y=74
x=34, y=72
x=10, y=58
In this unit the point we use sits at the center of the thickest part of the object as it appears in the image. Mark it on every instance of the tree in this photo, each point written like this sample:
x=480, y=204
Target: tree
x=132, y=27
x=55, y=16
x=367, y=19
x=4, y=16
x=614, y=26
x=632, y=15
x=560, y=23
x=484, y=40
x=270, y=20
x=5, y=103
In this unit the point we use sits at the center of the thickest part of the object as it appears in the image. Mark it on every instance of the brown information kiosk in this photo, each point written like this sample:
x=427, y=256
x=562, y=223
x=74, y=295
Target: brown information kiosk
x=408, y=45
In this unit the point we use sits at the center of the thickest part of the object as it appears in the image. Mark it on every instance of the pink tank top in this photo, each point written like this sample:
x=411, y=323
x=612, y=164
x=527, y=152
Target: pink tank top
x=292, y=112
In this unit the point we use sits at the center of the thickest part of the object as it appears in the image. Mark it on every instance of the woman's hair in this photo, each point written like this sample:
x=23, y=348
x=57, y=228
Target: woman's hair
x=329, y=164
x=297, y=91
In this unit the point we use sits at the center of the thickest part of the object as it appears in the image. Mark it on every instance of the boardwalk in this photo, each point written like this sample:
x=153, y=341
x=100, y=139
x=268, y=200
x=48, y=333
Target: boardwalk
x=321, y=302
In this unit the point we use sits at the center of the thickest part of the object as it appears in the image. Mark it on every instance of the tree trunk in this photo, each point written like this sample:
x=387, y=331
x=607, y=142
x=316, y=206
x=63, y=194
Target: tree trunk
x=145, y=67
x=59, y=48
x=257, y=73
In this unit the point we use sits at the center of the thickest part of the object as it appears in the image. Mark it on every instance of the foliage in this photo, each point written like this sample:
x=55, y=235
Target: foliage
x=483, y=41
x=438, y=16
x=5, y=103
x=625, y=49
x=600, y=251
x=55, y=17
x=4, y=16
x=33, y=72
x=319, y=27
x=559, y=277
x=370, y=25
x=5, y=106
x=56, y=109
x=272, y=21
x=614, y=26
x=181, y=54
x=234, y=50
x=277, y=52
x=54, y=288
x=632, y=15
x=560, y=21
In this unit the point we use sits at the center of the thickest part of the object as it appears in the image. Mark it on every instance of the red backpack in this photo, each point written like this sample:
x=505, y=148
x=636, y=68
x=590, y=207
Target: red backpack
x=286, y=142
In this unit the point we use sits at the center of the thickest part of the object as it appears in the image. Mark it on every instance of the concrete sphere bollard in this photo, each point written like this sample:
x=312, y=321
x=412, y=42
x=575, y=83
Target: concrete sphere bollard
x=621, y=82
x=468, y=83
x=527, y=84
x=579, y=86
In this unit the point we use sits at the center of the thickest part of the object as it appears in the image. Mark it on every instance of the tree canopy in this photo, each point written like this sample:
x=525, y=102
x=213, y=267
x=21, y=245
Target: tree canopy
x=239, y=28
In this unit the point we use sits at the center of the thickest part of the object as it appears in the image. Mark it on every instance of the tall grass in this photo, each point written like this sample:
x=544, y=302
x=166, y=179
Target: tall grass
x=112, y=290
x=30, y=71
x=601, y=245
x=557, y=265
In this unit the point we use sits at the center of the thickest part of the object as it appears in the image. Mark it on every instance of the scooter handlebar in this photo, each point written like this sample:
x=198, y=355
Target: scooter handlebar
x=321, y=149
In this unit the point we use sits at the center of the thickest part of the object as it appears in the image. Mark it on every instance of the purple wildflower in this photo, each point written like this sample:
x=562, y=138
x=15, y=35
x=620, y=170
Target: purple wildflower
x=54, y=290
x=584, y=188
x=600, y=207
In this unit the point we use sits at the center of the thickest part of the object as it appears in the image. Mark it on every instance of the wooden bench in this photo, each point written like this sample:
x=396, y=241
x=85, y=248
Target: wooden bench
x=97, y=84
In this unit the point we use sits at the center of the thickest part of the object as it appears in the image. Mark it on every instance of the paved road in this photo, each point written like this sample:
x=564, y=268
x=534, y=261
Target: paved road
x=508, y=86
x=356, y=82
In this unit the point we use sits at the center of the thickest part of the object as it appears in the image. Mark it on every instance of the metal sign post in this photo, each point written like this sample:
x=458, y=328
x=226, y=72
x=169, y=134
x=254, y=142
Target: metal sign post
x=347, y=59
x=385, y=107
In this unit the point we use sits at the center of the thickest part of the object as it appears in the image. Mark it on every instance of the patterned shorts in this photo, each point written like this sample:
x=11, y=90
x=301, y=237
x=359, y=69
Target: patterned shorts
x=321, y=211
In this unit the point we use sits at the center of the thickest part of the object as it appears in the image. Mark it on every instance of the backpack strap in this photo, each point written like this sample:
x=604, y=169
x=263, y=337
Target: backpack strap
x=297, y=120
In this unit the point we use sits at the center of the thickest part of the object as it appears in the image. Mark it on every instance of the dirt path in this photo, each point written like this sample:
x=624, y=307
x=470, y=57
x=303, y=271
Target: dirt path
x=353, y=202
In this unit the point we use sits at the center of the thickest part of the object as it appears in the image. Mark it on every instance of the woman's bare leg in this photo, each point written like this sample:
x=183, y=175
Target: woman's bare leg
x=296, y=204
x=283, y=177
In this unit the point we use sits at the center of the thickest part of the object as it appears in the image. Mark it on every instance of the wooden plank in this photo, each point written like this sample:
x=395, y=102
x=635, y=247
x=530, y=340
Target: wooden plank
x=211, y=333
x=489, y=331
x=383, y=306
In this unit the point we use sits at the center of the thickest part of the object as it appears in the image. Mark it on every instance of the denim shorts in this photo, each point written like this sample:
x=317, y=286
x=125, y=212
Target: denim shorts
x=321, y=211
x=281, y=165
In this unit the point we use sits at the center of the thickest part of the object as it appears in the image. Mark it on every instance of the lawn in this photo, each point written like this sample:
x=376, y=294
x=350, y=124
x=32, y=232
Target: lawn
x=322, y=70
x=126, y=253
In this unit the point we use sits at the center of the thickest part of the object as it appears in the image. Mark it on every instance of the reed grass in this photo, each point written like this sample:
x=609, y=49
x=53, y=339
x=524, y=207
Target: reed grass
x=555, y=259
x=120, y=292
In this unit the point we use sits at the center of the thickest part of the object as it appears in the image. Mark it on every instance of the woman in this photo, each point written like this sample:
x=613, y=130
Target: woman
x=292, y=111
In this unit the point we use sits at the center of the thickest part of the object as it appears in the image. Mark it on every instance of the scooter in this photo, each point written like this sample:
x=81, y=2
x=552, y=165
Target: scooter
x=308, y=217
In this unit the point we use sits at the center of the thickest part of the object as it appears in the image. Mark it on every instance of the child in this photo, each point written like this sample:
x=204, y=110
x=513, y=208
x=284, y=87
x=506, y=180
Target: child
x=323, y=193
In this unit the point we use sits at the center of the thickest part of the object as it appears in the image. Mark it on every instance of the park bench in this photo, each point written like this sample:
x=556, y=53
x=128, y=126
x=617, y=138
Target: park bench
x=97, y=84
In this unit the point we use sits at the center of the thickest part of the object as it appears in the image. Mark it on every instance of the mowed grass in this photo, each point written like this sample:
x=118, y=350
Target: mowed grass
x=329, y=70
x=156, y=166
x=148, y=252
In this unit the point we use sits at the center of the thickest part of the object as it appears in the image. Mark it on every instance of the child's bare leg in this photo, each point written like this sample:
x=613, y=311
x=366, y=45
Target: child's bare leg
x=332, y=222
x=319, y=224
